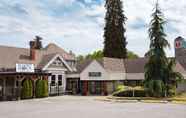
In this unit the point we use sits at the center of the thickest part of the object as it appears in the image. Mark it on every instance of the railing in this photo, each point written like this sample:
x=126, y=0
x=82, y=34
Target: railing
x=56, y=90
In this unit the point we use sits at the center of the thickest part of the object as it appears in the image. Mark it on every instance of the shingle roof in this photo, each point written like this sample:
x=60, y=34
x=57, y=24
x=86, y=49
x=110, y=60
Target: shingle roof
x=82, y=65
x=109, y=64
x=46, y=59
x=113, y=64
x=135, y=65
x=9, y=56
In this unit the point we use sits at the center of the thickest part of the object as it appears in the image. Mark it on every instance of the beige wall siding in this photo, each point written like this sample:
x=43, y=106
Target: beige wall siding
x=93, y=67
x=135, y=76
x=110, y=87
x=116, y=76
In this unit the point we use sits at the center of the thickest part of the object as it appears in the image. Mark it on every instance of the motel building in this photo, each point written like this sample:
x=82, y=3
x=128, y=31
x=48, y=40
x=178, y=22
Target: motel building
x=67, y=76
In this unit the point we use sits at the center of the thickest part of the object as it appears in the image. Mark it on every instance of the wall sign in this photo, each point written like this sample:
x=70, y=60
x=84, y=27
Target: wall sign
x=25, y=68
x=94, y=74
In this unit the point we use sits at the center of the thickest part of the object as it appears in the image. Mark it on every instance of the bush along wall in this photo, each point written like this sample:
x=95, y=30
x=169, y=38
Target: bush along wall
x=127, y=91
x=27, y=89
x=41, y=88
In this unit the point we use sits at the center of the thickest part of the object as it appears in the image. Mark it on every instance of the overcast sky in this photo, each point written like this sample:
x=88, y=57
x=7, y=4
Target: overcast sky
x=77, y=25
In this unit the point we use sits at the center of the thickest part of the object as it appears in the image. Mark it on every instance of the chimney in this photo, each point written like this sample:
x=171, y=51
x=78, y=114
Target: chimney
x=36, y=44
x=32, y=50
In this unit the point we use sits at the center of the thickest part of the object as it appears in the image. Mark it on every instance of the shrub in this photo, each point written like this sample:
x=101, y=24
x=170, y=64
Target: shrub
x=127, y=91
x=171, y=90
x=41, y=88
x=27, y=89
x=155, y=88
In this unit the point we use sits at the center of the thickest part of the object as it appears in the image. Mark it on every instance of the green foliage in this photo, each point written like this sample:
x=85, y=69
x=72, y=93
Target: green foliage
x=27, y=89
x=41, y=88
x=131, y=55
x=159, y=70
x=156, y=88
x=99, y=55
x=120, y=87
x=128, y=91
x=114, y=39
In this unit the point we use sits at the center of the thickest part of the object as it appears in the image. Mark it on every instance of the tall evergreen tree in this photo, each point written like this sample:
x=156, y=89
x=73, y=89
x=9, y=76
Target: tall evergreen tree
x=114, y=38
x=155, y=69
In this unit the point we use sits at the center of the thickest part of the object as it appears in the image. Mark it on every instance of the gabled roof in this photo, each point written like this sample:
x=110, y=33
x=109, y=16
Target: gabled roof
x=9, y=56
x=109, y=64
x=53, y=48
x=46, y=59
x=52, y=58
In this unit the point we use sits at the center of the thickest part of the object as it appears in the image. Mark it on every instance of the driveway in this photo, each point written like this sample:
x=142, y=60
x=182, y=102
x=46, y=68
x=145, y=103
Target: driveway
x=87, y=107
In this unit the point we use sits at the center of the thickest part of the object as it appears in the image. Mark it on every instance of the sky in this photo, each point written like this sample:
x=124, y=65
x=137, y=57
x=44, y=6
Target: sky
x=78, y=25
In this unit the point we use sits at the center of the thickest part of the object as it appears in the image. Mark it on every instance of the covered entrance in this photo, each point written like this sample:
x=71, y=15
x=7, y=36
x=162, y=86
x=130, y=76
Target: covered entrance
x=73, y=86
x=11, y=84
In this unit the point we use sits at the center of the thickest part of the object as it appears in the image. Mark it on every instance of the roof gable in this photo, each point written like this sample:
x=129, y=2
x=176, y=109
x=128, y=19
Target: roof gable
x=56, y=59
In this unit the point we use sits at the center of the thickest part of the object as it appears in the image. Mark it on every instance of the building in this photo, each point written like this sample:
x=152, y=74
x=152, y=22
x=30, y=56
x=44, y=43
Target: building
x=102, y=76
x=66, y=76
x=17, y=64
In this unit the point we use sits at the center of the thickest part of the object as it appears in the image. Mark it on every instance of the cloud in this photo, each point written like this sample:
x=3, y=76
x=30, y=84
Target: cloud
x=78, y=24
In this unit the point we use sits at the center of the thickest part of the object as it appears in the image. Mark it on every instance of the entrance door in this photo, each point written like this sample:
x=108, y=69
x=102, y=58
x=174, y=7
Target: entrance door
x=98, y=88
x=72, y=85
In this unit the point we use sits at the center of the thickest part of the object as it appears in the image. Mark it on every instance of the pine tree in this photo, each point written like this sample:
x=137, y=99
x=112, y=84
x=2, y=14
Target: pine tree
x=155, y=69
x=114, y=39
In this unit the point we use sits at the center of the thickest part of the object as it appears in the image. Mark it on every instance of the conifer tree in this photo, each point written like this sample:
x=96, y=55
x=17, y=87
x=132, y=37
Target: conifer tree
x=155, y=69
x=114, y=38
x=160, y=75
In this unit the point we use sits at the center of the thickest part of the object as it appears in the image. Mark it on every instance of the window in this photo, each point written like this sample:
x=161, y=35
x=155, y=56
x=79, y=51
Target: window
x=53, y=80
x=94, y=74
x=59, y=80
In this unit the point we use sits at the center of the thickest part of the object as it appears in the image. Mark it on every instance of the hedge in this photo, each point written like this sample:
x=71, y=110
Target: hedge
x=27, y=89
x=41, y=88
x=127, y=91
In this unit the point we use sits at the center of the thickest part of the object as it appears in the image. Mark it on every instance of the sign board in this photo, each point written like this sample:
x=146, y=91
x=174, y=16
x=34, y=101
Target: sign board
x=25, y=68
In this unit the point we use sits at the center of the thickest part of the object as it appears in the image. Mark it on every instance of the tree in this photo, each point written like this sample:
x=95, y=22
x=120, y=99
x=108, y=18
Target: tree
x=99, y=55
x=114, y=39
x=155, y=69
x=172, y=78
x=132, y=55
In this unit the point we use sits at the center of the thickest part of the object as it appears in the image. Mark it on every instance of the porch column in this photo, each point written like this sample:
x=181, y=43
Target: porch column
x=34, y=86
x=19, y=90
x=4, y=88
x=85, y=87
x=15, y=89
x=104, y=88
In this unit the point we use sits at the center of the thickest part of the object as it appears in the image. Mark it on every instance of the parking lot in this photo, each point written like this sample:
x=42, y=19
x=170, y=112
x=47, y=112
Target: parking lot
x=87, y=107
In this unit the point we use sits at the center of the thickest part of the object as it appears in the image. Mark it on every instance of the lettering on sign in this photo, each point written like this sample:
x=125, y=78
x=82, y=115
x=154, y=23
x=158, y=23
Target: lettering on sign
x=24, y=67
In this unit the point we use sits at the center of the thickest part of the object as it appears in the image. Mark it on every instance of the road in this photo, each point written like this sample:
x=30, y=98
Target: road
x=87, y=107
